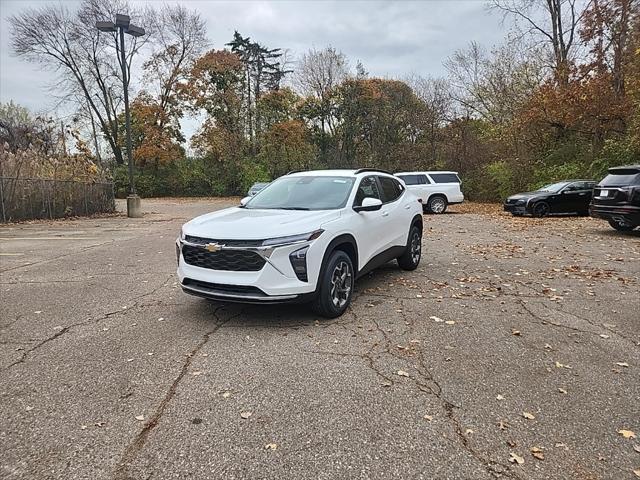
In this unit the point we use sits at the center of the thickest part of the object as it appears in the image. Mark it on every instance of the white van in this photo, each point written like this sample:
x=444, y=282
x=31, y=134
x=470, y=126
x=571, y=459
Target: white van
x=435, y=189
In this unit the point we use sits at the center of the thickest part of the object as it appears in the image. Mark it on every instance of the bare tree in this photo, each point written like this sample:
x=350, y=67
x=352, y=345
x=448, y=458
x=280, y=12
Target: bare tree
x=181, y=36
x=494, y=85
x=86, y=60
x=435, y=95
x=558, y=26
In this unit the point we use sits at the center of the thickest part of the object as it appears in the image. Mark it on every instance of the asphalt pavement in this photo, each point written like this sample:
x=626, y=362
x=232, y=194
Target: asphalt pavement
x=512, y=352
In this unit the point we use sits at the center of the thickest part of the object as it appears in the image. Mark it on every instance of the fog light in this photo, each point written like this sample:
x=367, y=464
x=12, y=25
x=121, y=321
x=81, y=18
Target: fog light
x=299, y=263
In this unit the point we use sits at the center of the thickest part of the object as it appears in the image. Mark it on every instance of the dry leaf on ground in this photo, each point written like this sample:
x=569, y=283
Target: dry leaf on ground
x=627, y=433
x=515, y=458
x=528, y=416
x=245, y=415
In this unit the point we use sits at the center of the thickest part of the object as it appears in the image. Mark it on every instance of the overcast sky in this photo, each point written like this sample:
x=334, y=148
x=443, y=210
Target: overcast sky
x=392, y=39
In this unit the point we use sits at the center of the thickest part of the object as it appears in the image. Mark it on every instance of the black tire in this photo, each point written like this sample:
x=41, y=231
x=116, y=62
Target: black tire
x=621, y=227
x=332, y=299
x=410, y=259
x=540, y=209
x=437, y=204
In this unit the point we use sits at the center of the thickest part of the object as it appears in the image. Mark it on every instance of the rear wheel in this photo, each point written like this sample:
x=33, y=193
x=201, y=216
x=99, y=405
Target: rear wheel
x=621, y=227
x=335, y=286
x=410, y=259
x=541, y=209
x=437, y=204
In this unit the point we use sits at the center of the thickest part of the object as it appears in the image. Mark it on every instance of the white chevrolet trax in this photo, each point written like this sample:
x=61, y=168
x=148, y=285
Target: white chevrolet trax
x=305, y=238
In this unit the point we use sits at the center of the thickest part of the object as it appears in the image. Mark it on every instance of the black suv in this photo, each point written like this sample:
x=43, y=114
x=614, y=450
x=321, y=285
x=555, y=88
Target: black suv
x=617, y=198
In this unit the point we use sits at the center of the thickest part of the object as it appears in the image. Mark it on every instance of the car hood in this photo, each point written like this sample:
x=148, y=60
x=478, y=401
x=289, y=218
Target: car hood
x=528, y=195
x=254, y=224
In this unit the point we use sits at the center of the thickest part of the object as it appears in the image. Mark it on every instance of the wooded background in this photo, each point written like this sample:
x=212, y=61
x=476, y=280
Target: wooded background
x=559, y=98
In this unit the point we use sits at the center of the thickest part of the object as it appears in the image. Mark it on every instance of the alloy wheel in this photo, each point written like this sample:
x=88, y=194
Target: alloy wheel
x=416, y=247
x=541, y=209
x=437, y=205
x=341, y=282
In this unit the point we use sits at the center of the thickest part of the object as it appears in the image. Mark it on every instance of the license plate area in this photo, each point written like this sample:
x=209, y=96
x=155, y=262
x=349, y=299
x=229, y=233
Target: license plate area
x=604, y=193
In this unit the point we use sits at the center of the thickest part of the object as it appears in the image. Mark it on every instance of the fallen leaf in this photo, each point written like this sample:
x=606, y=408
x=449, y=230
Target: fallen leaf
x=226, y=394
x=271, y=446
x=637, y=472
x=386, y=384
x=436, y=319
x=196, y=373
x=140, y=417
x=603, y=335
x=537, y=453
x=515, y=332
x=37, y=312
x=562, y=390
x=450, y=322
x=83, y=427
x=514, y=458
x=29, y=408
x=100, y=424
x=627, y=433
x=499, y=397
x=468, y=431
x=529, y=416
x=402, y=373
x=245, y=415
x=622, y=364
x=503, y=425
x=428, y=417
x=636, y=448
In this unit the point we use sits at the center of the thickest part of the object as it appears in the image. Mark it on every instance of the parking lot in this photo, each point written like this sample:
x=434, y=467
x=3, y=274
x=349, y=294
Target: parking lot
x=512, y=352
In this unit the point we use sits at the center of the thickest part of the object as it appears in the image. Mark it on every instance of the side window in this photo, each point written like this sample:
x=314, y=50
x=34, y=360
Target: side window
x=445, y=178
x=391, y=189
x=423, y=180
x=411, y=179
x=368, y=188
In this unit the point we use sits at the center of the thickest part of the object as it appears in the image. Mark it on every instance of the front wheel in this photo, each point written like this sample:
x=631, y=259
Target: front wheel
x=437, y=204
x=335, y=286
x=621, y=227
x=541, y=209
x=410, y=259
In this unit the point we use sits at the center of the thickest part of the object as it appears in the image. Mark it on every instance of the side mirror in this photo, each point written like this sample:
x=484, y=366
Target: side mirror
x=244, y=201
x=369, y=204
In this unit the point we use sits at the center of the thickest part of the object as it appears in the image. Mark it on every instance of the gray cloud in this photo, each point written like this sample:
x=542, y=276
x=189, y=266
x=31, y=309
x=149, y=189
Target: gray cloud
x=392, y=39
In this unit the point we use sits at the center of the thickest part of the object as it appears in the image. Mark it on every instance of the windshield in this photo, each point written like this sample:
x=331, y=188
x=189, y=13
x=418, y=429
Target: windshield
x=304, y=193
x=554, y=187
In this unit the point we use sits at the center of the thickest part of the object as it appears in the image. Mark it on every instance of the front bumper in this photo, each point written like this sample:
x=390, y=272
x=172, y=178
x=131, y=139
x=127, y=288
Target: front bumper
x=275, y=282
x=516, y=208
x=625, y=214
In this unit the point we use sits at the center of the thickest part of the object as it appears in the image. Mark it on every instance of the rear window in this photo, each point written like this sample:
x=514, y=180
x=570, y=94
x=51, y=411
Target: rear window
x=414, y=179
x=621, y=179
x=445, y=177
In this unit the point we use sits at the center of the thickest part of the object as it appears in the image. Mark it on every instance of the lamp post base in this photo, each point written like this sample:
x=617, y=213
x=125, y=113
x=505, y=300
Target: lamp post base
x=134, y=206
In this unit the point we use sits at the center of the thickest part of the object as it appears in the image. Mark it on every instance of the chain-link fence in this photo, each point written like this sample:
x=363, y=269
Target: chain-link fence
x=31, y=198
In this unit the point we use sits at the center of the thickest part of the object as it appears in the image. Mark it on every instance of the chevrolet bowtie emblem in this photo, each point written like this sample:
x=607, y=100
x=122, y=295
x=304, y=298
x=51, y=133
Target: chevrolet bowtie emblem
x=213, y=247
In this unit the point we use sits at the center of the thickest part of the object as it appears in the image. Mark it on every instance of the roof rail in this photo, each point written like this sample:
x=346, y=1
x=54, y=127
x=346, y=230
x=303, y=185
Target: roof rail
x=362, y=170
x=293, y=171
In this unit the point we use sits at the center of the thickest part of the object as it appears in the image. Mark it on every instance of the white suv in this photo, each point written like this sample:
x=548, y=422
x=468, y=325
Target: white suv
x=435, y=189
x=305, y=238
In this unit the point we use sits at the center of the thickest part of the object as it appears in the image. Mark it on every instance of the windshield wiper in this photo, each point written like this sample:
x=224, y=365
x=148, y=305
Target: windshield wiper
x=294, y=208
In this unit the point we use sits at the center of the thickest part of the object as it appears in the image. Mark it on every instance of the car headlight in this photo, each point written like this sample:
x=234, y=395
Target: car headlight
x=182, y=235
x=298, y=261
x=291, y=239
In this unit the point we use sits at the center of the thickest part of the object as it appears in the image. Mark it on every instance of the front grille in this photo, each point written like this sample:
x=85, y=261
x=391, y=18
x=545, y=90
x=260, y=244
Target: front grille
x=228, y=243
x=232, y=260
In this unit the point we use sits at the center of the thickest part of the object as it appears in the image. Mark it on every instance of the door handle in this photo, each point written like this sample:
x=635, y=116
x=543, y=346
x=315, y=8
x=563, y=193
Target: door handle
x=385, y=214
x=407, y=207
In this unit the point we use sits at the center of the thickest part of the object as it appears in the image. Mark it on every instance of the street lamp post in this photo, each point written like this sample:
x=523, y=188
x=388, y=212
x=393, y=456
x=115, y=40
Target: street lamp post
x=123, y=25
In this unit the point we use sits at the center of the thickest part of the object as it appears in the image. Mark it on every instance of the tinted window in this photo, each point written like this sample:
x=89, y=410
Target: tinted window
x=391, y=189
x=368, y=189
x=623, y=180
x=411, y=179
x=445, y=177
x=303, y=193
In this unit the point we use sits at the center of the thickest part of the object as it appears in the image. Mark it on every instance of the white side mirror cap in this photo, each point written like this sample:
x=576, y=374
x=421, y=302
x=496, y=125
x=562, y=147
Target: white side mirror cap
x=244, y=201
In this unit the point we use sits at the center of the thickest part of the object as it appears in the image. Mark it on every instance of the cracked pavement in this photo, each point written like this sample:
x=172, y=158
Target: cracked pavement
x=109, y=371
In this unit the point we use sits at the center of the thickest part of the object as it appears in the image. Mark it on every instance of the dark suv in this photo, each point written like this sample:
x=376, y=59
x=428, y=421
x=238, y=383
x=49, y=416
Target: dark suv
x=617, y=198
